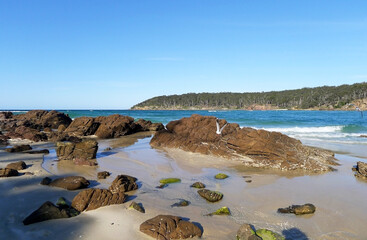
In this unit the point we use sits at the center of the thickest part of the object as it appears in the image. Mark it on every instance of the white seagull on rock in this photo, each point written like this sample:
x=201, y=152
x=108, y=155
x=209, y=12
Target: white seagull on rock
x=219, y=130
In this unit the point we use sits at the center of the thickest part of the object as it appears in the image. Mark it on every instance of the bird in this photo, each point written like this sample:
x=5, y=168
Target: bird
x=357, y=109
x=219, y=130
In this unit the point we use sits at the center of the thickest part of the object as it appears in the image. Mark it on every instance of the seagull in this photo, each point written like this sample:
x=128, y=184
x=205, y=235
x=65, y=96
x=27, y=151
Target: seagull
x=219, y=131
x=357, y=109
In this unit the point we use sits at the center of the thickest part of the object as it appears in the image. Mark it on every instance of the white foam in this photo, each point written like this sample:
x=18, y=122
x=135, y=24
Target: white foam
x=325, y=129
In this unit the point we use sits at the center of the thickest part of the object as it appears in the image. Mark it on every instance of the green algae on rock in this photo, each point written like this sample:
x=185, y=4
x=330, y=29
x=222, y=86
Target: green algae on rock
x=221, y=176
x=169, y=180
x=266, y=234
x=198, y=185
x=211, y=196
x=220, y=211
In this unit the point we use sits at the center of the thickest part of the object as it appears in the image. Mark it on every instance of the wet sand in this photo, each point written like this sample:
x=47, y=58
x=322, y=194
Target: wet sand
x=338, y=196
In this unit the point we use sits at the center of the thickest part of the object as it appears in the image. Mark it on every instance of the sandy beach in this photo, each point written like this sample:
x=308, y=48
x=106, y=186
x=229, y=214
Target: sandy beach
x=338, y=196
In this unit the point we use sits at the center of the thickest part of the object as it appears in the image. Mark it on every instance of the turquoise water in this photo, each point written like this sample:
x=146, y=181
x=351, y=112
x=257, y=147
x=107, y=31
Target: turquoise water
x=308, y=126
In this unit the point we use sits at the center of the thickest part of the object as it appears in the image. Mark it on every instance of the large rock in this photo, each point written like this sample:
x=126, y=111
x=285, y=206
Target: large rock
x=165, y=227
x=123, y=183
x=256, y=148
x=40, y=119
x=19, y=148
x=361, y=170
x=114, y=126
x=49, y=211
x=24, y=132
x=90, y=199
x=77, y=152
x=17, y=165
x=82, y=126
x=307, y=208
x=211, y=196
x=69, y=183
x=147, y=125
x=8, y=172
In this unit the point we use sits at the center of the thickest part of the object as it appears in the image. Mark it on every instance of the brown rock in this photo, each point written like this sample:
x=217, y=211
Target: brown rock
x=17, y=165
x=114, y=126
x=40, y=119
x=19, y=148
x=123, y=183
x=43, y=151
x=27, y=133
x=61, y=128
x=147, y=125
x=165, y=227
x=82, y=126
x=361, y=170
x=70, y=183
x=5, y=115
x=79, y=152
x=211, y=196
x=299, y=209
x=90, y=199
x=257, y=148
x=3, y=139
x=8, y=172
x=103, y=175
x=245, y=232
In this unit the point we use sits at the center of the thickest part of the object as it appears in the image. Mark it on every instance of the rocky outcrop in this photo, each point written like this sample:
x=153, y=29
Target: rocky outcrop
x=19, y=148
x=17, y=165
x=40, y=119
x=68, y=183
x=82, y=126
x=115, y=125
x=165, y=227
x=81, y=152
x=256, y=148
x=211, y=196
x=8, y=172
x=307, y=208
x=49, y=211
x=24, y=132
x=146, y=125
x=123, y=183
x=90, y=199
x=361, y=170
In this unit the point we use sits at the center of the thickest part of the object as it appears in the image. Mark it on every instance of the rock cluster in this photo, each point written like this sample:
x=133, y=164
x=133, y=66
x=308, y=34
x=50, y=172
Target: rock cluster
x=256, y=148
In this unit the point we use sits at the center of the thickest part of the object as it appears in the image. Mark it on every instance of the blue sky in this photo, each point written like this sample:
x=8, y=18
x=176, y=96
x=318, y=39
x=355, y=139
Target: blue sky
x=113, y=54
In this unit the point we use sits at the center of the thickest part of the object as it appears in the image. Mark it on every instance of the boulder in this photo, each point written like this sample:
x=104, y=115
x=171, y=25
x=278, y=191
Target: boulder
x=8, y=172
x=69, y=183
x=165, y=227
x=114, y=126
x=82, y=126
x=81, y=151
x=307, y=208
x=198, y=185
x=24, y=132
x=361, y=170
x=46, y=181
x=146, y=125
x=40, y=119
x=137, y=206
x=49, y=211
x=211, y=196
x=17, y=165
x=5, y=115
x=92, y=198
x=19, y=148
x=123, y=183
x=256, y=148
x=103, y=175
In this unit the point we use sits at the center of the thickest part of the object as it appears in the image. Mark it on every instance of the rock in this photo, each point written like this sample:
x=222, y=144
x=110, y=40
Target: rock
x=361, y=170
x=165, y=227
x=245, y=232
x=61, y=202
x=92, y=198
x=82, y=126
x=103, y=175
x=3, y=139
x=169, y=180
x=162, y=186
x=43, y=151
x=246, y=176
x=299, y=209
x=8, y=172
x=107, y=149
x=147, y=125
x=220, y=211
x=211, y=196
x=27, y=133
x=123, y=183
x=221, y=176
x=70, y=183
x=20, y=148
x=266, y=234
x=181, y=203
x=137, y=206
x=257, y=148
x=40, y=119
x=46, y=181
x=61, y=128
x=79, y=152
x=5, y=115
x=198, y=185
x=248, y=181
x=17, y=165
x=114, y=126
x=363, y=136
x=47, y=130
x=49, y=211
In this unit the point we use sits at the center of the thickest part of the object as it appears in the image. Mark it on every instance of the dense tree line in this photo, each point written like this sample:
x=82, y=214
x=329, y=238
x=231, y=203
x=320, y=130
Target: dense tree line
x=304, y=98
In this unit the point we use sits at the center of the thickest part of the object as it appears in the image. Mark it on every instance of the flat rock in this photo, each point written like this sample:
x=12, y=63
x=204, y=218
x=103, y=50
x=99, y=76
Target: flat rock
x=17, y=165
x=70, y=183
x=123, y=183
x=307, y=208
x=181, y=203
x=8, y=172
x=165, y=227
x=198, y=185
x=92, y=198
x=211, y=196
x=256, y=148
x=19, y=148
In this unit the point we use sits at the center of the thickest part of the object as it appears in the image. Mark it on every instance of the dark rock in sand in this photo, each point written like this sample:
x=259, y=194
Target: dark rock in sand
x=103, y=175
x=245, y=232
x=198, y=185
x=20, y=148
x=85, y=150
x=123, y=183
x=248, y=181
x=137, y=206
x=17, y=165
x=114, y=126
x=299, y=209
x=147, y=125
x=49, y=211
x=257, y=148
x=27, y=133
x=43, y=151
x=181, y=203
x=361, y=170
x=92, y=198
x=211, y=196
x=8, y=172
x=107, y=149
x=70, y=183
x=165, y=227
x=82, y=126
x=46, y=181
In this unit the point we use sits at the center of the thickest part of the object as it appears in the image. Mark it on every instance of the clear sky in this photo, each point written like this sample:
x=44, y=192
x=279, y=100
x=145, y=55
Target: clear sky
x=113, y=54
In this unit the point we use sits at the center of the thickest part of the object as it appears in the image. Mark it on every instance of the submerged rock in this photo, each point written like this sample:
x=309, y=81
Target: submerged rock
x=103, y=175
x=165, y=227
x=181, y=203
x=17, y=165
x=8, y=172
x=361, y=170
x=211, y=196
x=123, y=183
x=257, y=148
x=93, y=198
x=137, y=206
x=299, y=209
x=19, y=148
x=198, y=185
x=69, y=183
